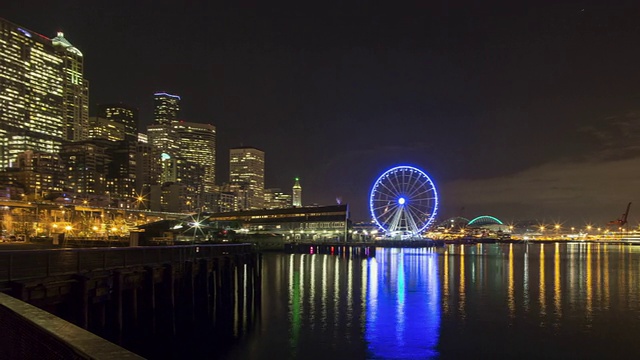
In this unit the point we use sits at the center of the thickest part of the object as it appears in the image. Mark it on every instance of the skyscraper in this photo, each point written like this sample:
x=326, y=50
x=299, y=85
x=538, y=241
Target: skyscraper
x=297, y=194
x=122, y=114
x=32, y=93
x=166, y=108
x=197, y=144
x=246, y=176
x=161, y=134
x=75, y=89
x=165, y=142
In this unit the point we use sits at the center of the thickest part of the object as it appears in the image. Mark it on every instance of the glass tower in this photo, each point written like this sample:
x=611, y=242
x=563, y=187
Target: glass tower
x=197, y=144
x=166, y=108
x=32, y=94
x=246, y=176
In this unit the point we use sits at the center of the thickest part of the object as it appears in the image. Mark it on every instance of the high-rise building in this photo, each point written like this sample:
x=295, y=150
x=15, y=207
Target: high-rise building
x=297, y=194
x=166, y=108
x=86, y=166
x=75, y=89
x=32, y=93
x=148, y=167
x=121, y=178
x=197, y=144
x=275, y=199
x=165, y=142
x=162, y=136
x=102, y=128
x=122, y=114
x=246, y=176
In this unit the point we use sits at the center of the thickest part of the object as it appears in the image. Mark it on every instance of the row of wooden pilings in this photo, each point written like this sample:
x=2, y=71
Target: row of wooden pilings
x=132, y=305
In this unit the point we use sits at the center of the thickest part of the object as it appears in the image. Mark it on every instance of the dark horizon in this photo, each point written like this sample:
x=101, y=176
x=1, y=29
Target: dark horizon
x=521, y=111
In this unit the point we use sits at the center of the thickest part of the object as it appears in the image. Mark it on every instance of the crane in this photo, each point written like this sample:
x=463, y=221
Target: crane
x=623, y=219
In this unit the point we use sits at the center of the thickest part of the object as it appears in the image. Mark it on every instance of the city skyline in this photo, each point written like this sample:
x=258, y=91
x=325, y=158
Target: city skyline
x=517, y=112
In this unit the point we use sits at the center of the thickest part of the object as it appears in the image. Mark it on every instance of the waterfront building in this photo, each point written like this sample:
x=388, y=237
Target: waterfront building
x=166, y=108
x=75, y=109
x=246, y=176
x=32, y=94
x=197, y=145
x=297, y=193
x=325, y=223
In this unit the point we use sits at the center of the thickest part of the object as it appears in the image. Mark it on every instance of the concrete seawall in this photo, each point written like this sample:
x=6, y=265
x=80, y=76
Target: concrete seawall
x=31, y=333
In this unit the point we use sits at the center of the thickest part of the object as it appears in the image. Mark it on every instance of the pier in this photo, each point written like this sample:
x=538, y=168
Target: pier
x=122, y=294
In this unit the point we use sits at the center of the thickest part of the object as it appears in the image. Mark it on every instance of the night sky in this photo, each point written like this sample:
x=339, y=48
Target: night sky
x=521, y=110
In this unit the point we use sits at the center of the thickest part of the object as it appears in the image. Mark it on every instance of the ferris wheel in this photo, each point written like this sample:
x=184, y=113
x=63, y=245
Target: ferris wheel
x=403, y=201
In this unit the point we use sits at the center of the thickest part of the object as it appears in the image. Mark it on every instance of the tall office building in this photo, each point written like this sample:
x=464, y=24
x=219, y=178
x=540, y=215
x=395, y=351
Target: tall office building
x=122, y=114
x=246, y=176
x=165, y=142
x=32, y=93
x=166, y=108
x=101, y=128
x=148, y=167
x=75, y=89
x=297, y=194
x=162, y=136
x=197, y=144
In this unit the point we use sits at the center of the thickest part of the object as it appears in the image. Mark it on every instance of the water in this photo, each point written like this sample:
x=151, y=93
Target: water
x=482, y=301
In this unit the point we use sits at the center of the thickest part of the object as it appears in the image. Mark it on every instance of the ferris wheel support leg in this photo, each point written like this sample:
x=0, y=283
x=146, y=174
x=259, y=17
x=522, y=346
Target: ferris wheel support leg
x=413, y=225
x=393, y=225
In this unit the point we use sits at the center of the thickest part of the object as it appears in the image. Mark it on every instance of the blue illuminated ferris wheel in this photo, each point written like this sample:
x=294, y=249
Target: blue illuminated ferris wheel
x=403, y=201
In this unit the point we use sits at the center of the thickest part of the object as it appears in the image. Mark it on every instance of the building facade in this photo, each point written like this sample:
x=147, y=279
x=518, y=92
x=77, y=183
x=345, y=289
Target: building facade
x=39, y=174
x=121, y=115
x=86, y=167
x=75, y=89
x=274, y=198
x=166, y=108
x=246, y=176
x=197, y=144
x=32, y=94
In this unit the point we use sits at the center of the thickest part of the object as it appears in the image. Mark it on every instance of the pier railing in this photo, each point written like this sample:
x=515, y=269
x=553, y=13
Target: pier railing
x=31, y=264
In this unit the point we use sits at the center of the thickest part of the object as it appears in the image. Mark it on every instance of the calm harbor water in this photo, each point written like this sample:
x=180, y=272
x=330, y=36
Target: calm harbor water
x=463, y=301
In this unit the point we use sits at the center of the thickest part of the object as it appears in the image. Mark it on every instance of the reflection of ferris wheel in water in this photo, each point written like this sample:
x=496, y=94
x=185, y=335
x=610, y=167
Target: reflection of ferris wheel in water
x=403, y=201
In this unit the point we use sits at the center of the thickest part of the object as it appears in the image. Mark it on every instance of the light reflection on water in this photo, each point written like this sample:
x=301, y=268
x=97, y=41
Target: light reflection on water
x=403, y=319
x=497, y=300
